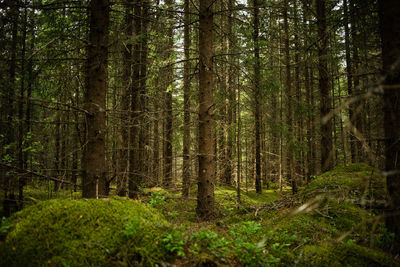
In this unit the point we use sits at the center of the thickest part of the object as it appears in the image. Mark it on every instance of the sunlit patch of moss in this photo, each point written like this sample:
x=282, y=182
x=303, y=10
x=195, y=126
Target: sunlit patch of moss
x=266, y=196
x=78, y=232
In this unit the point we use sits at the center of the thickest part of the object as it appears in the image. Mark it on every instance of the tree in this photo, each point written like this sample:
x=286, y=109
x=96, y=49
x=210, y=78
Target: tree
x=389, y=11
x=325, y=99
x=288, y=85
x=186, y=103
x=122, y=166
x=95, y=100
x=257, y=96
x=167, y=183
x=206, y=175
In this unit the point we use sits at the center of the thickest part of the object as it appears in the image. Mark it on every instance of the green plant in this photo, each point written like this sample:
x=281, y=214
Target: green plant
x=5, y=226
x=385, y=238
x=245, y=229
x=210, y=241
x=174, y=243
x=156, y=199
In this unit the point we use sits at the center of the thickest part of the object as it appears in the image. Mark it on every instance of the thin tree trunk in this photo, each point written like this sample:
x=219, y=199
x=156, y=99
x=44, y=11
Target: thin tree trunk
x=349, y=70
x=21, y=132
x=238, y=147
x=356, y=119
x=167, y=183
x=186, y=103
x=143, y=164
x=257, y=96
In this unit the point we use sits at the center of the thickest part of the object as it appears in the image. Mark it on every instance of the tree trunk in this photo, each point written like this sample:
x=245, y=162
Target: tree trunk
x=390, y=28
x=349, y=71
x=206, y=178
x=134, y=168
x=325, y=99
x=288, y=84
x=9, y=202
x=95, y=101
x=167, y=183
x=356, y=118
x=186, y=103
x=230, y=131
x=122, y=165
x=257, y=96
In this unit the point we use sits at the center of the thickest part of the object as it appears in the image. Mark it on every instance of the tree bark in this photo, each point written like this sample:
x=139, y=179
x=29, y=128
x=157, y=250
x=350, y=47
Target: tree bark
x=167, y=183
x=325, y=99
x=134, y=168
x=186, y=103
x=95, y=101
x=206, y=178
x=122, y=165
x=389, y=11
x=257, y=96
x=349, y=70
x=288, y=84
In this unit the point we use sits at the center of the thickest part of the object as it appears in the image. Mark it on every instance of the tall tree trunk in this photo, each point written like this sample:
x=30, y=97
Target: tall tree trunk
x=21, y=132
x=238, y=147
x=95, y=100
x=167, y=183
x=9, y=203
x=206, y=178
x=257, y=96
x=298, y=166
x=349, y=70
x=122, y=165
x=186, y=103
x=288, y=84
x=134, y=168
x=356, y=118
x=143, y=165
x=389, y=11
x=325, y=100
x=230, y=98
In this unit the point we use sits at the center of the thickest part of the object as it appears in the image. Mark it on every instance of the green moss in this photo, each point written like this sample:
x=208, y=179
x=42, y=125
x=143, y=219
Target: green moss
x=341, y=254
x=357, y=180
x=81, y=233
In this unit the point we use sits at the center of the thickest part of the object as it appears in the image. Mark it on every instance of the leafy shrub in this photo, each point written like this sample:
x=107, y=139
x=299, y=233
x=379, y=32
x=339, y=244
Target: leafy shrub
x=156, y=199
x=174, y=242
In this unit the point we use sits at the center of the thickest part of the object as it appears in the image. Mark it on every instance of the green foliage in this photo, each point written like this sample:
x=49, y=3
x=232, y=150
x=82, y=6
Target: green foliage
x=174, y=242
x=384, y=238
x=209, y=241
x=157, y=199
x=5, y=226
x=249, y=228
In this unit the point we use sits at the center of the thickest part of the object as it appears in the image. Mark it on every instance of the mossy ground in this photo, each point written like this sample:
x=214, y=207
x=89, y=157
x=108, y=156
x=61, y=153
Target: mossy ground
x=322, y=225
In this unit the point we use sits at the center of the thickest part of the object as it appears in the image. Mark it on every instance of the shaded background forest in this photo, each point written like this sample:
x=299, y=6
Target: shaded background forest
x=275, y=125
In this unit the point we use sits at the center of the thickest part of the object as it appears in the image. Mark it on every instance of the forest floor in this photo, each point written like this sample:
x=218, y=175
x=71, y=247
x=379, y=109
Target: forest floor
x=331, y=221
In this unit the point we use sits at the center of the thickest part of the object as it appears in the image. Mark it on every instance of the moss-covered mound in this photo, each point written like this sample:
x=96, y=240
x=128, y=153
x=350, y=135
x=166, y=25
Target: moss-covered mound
x=83, y=233
x=357, y=180
x=344, y=254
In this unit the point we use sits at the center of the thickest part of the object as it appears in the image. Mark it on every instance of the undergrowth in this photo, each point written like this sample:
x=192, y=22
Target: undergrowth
x=325, y=224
